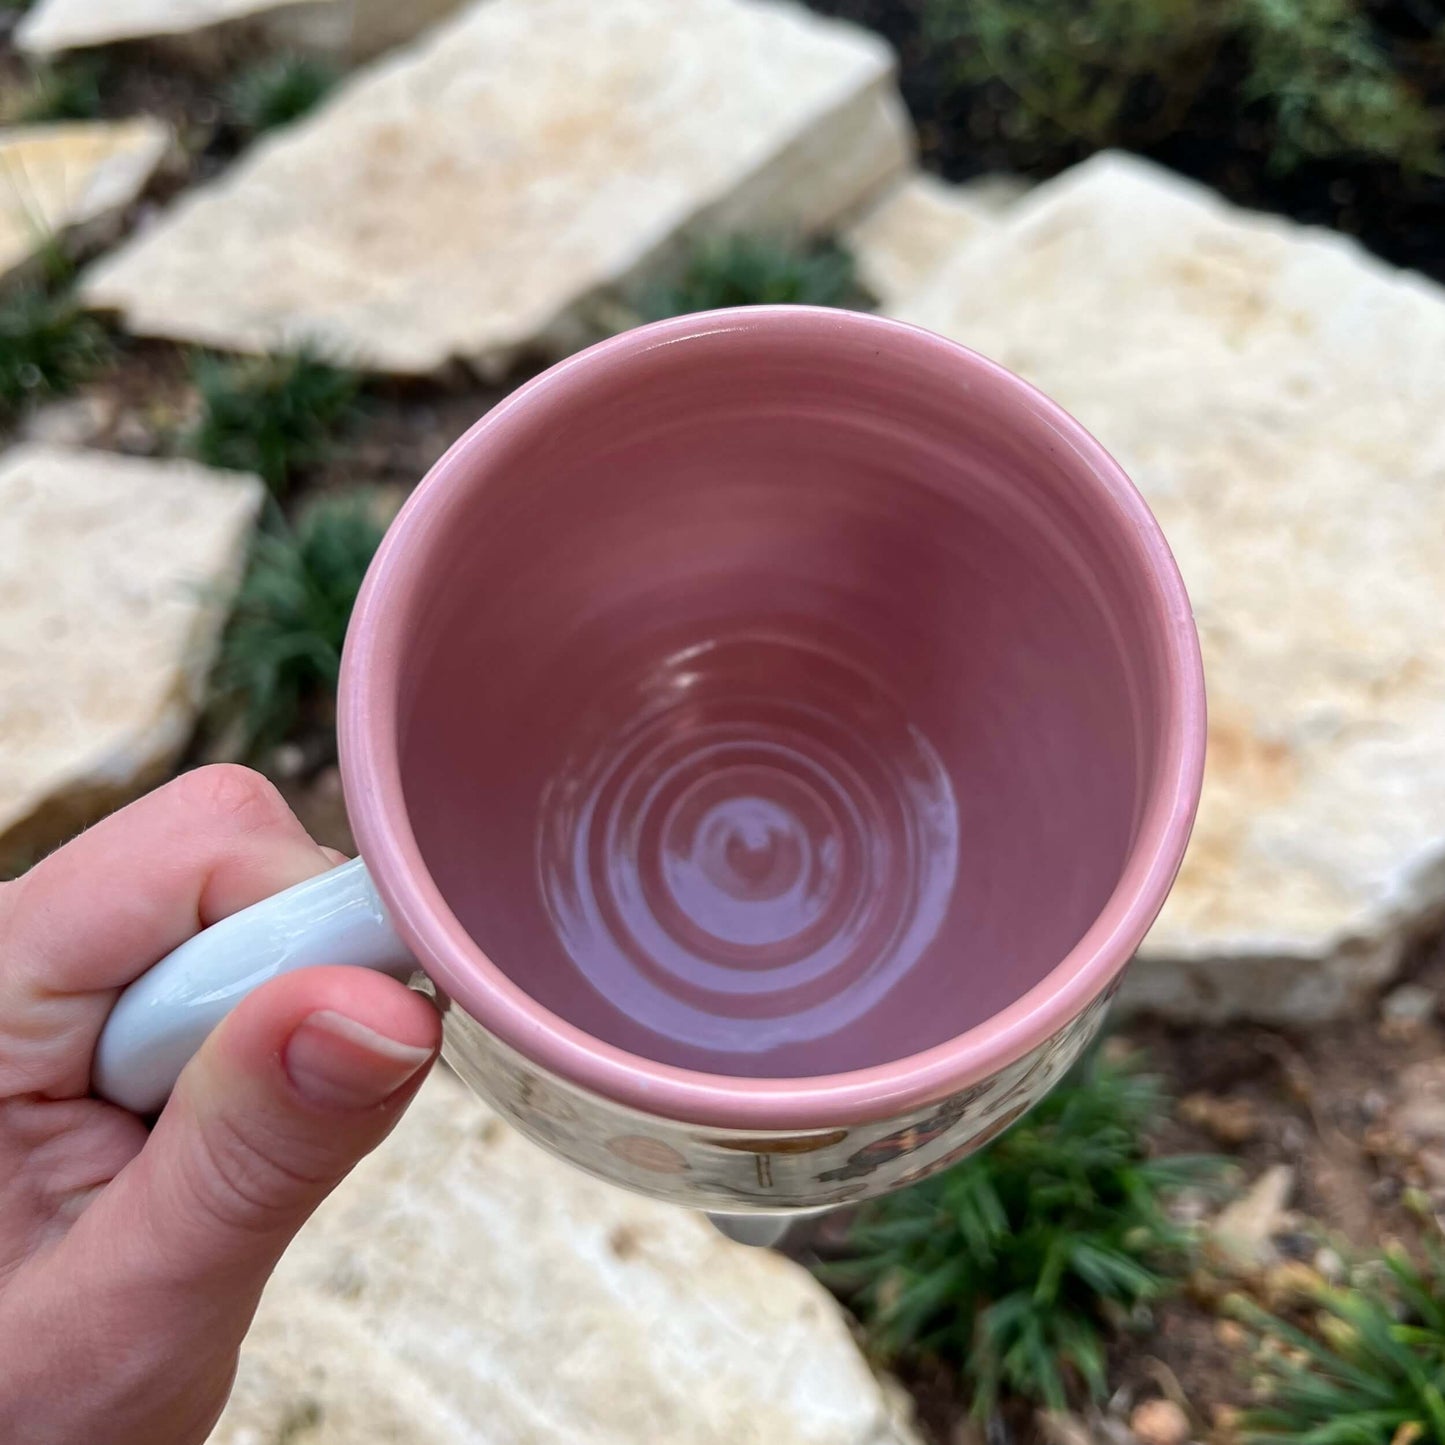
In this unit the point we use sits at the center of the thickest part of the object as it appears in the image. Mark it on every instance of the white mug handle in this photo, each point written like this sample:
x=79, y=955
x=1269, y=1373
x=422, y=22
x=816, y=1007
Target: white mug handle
x=166, y=1014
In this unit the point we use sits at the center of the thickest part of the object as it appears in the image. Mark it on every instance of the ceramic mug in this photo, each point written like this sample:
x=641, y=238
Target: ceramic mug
x=770, y=732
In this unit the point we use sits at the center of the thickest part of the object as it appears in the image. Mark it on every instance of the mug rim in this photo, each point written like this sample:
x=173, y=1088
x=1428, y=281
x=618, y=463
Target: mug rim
x=367, y=723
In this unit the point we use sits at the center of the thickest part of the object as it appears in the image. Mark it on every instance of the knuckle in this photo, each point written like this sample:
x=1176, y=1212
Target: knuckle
x=238, y=795
x=240, y=1185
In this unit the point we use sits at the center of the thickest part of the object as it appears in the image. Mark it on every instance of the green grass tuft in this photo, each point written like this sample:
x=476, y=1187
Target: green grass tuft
x=48, y=345
x=69, y=91
x=1125, y=72
x=1089, y=73
x=273, y=415
x=1332, y=89
x=750, y=271
x=1370, y=1370
x=1006, y=1265
x=276, y=91
x=281, y=652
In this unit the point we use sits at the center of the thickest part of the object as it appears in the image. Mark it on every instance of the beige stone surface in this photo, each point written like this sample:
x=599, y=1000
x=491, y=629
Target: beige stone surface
x=350, y=29
x=901, y=242
x=51, y=26
x=1243, y=1233
x=115, y=574
x=469, y=197
x=82, y=173
x=464, y=1288
x=1279, y=397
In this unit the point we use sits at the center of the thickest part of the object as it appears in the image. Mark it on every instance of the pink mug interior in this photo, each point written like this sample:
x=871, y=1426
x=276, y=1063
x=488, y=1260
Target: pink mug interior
x=773, y=715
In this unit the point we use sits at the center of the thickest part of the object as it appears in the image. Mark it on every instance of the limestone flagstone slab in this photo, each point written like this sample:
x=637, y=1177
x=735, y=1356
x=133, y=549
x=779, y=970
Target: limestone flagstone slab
x=115, y=577
x=1279, y=397
x=349, y=29
x=464, y=1288
x=903, y=240
x=54, y=178
x=468, y=197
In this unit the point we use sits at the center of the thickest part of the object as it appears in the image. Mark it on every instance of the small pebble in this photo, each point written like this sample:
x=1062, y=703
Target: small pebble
x=1295, y=1244
x=1226, y=1419
x=1159, y=1422
x=996, y=1430
x=328, y=783
x=1432, y=1162
x=1411, y=1003
x=1116, y=1049
x=1373, y=1103
x=1230, y=1121
x=133, y=436
x=1291, y=1283
x=1189, y=1206
x=288, y=761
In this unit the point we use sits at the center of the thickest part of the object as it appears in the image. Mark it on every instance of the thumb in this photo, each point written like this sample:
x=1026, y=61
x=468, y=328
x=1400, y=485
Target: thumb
x=302, y=1080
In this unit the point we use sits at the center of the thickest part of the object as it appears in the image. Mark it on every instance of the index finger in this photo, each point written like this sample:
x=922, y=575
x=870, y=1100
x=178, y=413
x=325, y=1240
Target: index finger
x=97, y=913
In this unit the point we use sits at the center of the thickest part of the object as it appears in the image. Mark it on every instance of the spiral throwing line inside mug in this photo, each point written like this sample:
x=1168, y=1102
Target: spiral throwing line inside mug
x=741, y=864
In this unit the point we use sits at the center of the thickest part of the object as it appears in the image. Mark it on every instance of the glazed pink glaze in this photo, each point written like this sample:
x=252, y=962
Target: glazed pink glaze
x=775, y=718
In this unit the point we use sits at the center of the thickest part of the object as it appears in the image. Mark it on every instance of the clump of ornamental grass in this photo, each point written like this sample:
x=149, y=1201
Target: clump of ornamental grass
x=48, y=344
x=1011, y=1265
x=281, y=653
x=68, y=91
x=1366, y=1366
x=1316, y=74
x=278, y=90
x=755, y=271
x=272, y=415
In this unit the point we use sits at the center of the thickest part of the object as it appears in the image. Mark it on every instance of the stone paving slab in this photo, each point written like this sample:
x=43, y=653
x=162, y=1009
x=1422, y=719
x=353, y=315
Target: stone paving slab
x=115, y=576
x=468, y=198
x=904, y=240
x=464, y=1288
x=346, y=29
x=1279, y=397
x=56, y=178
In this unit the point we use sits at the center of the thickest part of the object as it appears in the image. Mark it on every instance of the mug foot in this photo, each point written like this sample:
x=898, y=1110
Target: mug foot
x=755, y=1229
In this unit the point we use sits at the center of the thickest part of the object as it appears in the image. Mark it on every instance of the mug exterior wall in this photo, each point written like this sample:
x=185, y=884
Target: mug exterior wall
x=729, y=1171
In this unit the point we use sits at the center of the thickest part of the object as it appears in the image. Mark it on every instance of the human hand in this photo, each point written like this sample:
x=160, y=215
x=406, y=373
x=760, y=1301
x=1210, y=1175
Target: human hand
x=132, y=1260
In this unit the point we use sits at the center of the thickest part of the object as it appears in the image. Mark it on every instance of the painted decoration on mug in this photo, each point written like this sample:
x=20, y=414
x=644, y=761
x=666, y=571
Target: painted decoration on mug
x=727, y=1170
